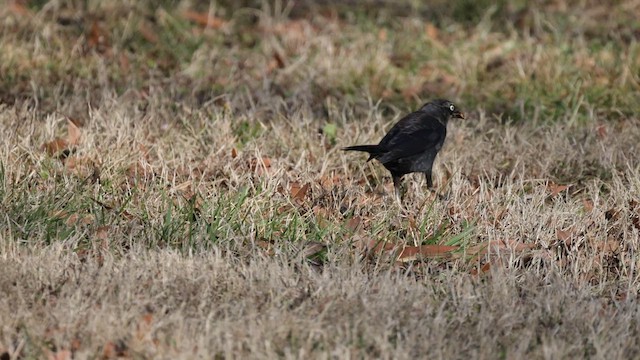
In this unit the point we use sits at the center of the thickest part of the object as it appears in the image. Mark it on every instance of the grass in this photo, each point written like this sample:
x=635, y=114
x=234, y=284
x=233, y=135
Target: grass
x=169, y=189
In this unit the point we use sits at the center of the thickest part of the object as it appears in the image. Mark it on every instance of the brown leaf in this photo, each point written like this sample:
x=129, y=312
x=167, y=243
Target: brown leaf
x=486, y=267
x=72, y=219
x=280, y=60
x=376, y=246
x=148, y=33
x=234, y=153
x=608, y=246
x=298, y=193
x=353, y=223
x=266, y=246
x=113, y=350
x=313, y=248
x=261, y=165
x=382, y=35
x=204, y=20
x=564, y=236
x=97, y=38
x=102, y=232
x=601, y=131
x=75, y=344
x=329, y=181
x=55, y=147
x=556, y=189
x=431, y=31
x=60, y=355
x=19, y=8
x=125, y=65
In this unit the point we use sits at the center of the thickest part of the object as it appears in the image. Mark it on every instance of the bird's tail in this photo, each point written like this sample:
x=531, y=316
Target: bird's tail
x=373, y=150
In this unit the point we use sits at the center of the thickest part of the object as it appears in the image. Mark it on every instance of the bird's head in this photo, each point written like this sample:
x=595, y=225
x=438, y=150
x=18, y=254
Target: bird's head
x=443, y=106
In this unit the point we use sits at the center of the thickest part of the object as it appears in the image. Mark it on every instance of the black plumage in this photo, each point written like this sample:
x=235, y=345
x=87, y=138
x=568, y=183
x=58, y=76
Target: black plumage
x=413, y=142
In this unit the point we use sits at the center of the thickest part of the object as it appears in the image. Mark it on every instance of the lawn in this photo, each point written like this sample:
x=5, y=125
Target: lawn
x=172, y=184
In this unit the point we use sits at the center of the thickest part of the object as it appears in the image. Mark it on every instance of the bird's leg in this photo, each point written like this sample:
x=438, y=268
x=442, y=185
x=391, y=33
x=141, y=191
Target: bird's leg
x=397, y=185
x=427, y=174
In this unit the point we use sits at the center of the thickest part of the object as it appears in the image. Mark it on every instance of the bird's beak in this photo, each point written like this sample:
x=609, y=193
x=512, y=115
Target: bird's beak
x=458, y=114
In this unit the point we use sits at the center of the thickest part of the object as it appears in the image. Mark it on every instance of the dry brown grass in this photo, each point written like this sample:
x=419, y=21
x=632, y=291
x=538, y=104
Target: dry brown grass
x=202, y=207
x=166, y=305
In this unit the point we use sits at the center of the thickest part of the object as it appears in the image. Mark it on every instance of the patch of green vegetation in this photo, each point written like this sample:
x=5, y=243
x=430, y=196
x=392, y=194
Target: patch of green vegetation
x=246, y=131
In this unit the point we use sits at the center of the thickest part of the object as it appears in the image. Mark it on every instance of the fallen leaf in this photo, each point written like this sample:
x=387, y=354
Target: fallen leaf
x=483, y=269
x=234, y=153
x=431, y=31
x=102, y=232
x=608, y=246
x=353, y=223
x=266, y=246
x=148, y=33
x=204, y=20
x=486, y=267
x=329, y=181
x=72, y=219
x=382, y=35
x=113, y=350
x=280, y=59
x=19, y=8
x=556, y=189
x=97, y=38
x=564, y=236
x=261, y=165
x=410, y=253
x=55, y=147
x=313, y=248
x=75, y=344
x=123, y=60
x=60, y=355
x=298, y=193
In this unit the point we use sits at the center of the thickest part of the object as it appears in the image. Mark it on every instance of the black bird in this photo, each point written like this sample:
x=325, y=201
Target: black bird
x=413, y=142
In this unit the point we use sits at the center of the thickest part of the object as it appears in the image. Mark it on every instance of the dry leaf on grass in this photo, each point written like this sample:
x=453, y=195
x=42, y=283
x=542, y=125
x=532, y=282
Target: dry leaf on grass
x=147, y=33
x=411, y=253
x=60, y=355
x=204, y=20
x=564, y=236
x=55, y=147
x=555, y=189
x=403, y=253
x=353, y=224
x=62, y=147
x=483, y=269
x=116, y=349
x=98, y=38
x=608, y=247
x=260, y=166
x=298, y=192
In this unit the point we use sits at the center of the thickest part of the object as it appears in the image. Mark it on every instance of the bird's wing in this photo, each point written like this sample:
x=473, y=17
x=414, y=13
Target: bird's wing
x=414, y=134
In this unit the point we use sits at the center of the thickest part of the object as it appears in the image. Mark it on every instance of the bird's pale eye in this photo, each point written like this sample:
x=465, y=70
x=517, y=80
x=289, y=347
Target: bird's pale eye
x=451, y=107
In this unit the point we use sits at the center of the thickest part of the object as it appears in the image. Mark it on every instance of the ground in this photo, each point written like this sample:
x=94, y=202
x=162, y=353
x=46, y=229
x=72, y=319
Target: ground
x=172, y=185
